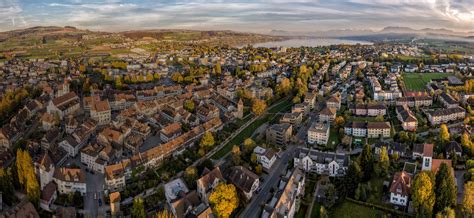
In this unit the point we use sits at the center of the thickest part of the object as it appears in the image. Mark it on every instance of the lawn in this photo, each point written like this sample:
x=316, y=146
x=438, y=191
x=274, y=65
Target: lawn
x=334, y=139
x=247, y=132
x=418, y=81
x=349, y=209
x=362, y=119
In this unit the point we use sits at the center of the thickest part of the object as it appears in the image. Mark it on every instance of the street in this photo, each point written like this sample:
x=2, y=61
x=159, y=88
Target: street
x=95, y=191
x=253, y=209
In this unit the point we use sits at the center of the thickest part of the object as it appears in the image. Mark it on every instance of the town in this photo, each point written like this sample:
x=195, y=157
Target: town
x=194, y=130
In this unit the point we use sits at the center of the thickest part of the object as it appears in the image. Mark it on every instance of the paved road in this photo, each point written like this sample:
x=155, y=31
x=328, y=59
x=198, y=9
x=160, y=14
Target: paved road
x=253, y=209
x=95, y=190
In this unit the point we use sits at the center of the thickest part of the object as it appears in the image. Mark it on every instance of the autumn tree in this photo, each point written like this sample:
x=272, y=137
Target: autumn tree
x=27, y=176
x=224, y=200
x=190, y=174
x=468, y=199
x=236, y=159
x=443, y=133
x=156, y=76
x=446, y=213
x=207, y=141
x=467, y=143
x=379, y=118
x=339, y=122
x=423, y=193
x=138, y=209
x=177, y=77
x=284, y=87
x=164, y=214
x=189, y=105
x=249, y=145
x=445, y=188
x=259, y=169
x=217, y=68
x=384, y=161
x=258, y=107
x=366, y=162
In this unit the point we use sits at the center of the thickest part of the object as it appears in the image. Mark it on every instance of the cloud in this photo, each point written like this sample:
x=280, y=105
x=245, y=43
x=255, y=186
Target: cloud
x=246, y=15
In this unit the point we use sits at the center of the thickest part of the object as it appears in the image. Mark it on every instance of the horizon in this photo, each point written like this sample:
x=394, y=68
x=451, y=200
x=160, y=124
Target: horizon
x=238, y=15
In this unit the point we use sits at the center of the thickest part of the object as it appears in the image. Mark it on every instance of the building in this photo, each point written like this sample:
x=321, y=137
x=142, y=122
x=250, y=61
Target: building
x=356, y=128
x=444, y=115
x=310, y=99
x=100, y=112
x=285, y=201
x=64, y=105
x=322, y=163
x=334, y=102
x=292, y=118
x=170, y=132
x=406, y=118
x=115, y=177
x=48, y=195
x=115, y=203
x=425, y=152
x=92, y=158
x=400, y=188
x=70, y=180
x=448, y=101
x=279, y=134
x=375, y=109
x=328, y=114
x=453, y=148
x=378, y=129
x=70, y=145
x=318, y=133
x=44, y=169
x=415, y=101
x=245, y=180
x=207, y=183
x=265, y=156
x=240, y=109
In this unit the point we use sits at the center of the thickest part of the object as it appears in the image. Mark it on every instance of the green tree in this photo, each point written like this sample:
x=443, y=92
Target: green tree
x=379, y=118
x=446, y=213
x=224, y=200
x=423, y=193
x=352, y=178
x=138, y=209
x=330, y=196
x=190, y=174
x=445, y=188
x=249, y=145
x=367, y=162
x=189, y=105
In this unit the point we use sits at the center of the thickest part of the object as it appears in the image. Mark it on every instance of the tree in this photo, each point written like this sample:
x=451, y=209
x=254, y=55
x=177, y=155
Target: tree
x=323, y=213
x=253, y=158
x=224, y=199
x=330, y=196
x=156, y=76
x=468, y=199
x=446, y=213
x=207, y=141
x=164, y=214
x=258, y=107
x=27, y=176
x=190, y=174
x=384, y=161
x=249, y=145
x=218, y=68
x=467, y=143
x=6, y=186
x=284, y=87
x=189, y=105
x=423, y=193
x=443, y=133
x=339, y=122
x=379, y=118
x=367, y=162
x=258, y=169
x=445, y=188
x=138, y=210
x=352, y=178
x=177, y=77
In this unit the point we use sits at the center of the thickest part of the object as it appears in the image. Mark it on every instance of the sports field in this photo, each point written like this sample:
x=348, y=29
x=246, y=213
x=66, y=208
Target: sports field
x=418, y=81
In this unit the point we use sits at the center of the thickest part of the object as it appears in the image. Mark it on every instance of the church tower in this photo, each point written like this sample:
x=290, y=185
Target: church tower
x=240, y=109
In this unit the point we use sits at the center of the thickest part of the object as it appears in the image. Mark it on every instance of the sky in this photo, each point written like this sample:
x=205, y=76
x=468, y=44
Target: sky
x=241, y=15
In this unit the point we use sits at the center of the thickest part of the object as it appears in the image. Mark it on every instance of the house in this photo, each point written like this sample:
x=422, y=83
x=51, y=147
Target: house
x=279, y=134
x=323, y=163
x=400, y=188
x=414, y=101
x=392, y=148
x=170, y=132
x=48, y=196
x=47, y=121
x=406, y=118
x=8, y=135
x=70, y=145
x=245, y=180
x=115, y=176
x=265, y=156
x=285, y=201
x=448, y=101
x=100, y=112
x=378, y=129
x=88, y=101
x=50, y=138
x=70, y=180
x=318, y=133
x=453, y=147
x=424, y=151
x=182, y=202
x=302, y=108
x=334, y=102
x=444, y=115
x=310, y=99
x=44, y=167
x=115, y=199
x=64, y=105
x=356, y=128
x=90, y=156
x=207, y=112
x=328, y=114
x=207, y=183
x=292, y=118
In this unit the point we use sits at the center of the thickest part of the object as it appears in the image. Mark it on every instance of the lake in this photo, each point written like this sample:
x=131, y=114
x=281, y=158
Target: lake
x=310, y=42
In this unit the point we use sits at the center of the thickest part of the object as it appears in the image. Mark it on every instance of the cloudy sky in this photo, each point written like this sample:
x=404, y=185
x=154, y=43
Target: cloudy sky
x=242, y=15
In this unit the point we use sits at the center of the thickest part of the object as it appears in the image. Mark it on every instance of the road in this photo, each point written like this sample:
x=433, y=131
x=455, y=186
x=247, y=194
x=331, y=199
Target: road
x=253, y=209
x=95, y=190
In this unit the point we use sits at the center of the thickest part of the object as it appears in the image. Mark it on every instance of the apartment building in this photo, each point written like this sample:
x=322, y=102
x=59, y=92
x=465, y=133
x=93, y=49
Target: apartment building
x=318, y=133
x=279, y=134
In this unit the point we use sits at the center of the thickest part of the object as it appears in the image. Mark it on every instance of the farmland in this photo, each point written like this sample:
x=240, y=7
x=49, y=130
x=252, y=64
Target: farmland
x=418, y=81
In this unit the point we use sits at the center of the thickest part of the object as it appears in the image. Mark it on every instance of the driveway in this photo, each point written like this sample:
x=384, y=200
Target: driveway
x=460, y=184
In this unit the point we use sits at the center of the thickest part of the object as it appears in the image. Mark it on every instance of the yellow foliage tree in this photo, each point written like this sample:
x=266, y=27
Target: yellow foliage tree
x=258, y=107
x=444, y=133
x=224, y=200
x=207, y=141
x=468, y=199
x=423, y=193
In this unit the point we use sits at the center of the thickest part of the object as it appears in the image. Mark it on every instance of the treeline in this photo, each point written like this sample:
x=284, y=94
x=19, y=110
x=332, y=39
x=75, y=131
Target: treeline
x=11, y=101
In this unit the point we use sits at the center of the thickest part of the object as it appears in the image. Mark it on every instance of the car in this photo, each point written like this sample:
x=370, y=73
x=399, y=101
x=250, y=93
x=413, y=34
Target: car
x=100, y=202
x=95, y=196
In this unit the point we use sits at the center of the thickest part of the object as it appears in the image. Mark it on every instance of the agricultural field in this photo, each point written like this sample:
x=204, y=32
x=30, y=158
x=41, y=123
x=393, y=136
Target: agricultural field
x=418, y=81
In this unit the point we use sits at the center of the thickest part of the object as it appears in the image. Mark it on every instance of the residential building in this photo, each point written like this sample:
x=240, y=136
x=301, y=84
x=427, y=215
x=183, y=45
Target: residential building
x=265, y=156
x=100, y=112
x=444, y=115
x=170, y=132
x=318, y=133
x=64, y=105
x=406, y=118
x=448, y=101
x=245, y=180
x=279, y=134
x=378, y=129
x=334, y=102
x=328, y=114
x=115, y=177
x=207, y=183
x=292, y=118
x=400, y=188
x=322, y=163
x=70, y=180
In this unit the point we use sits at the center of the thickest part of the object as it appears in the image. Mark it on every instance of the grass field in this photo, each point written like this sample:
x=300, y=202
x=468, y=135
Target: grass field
x=349, y=209
x=418, y=81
